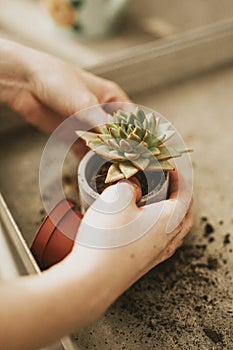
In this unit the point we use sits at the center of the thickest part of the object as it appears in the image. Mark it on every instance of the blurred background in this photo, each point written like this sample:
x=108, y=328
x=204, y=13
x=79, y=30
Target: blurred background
x=91, y=33
x=138, y=44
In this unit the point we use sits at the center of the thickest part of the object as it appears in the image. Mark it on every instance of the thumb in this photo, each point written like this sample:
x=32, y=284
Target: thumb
x=119, y=197
x=91, y=116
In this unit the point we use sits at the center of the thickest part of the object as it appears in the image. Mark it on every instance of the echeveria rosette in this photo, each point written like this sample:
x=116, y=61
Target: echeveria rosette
x=133, y=142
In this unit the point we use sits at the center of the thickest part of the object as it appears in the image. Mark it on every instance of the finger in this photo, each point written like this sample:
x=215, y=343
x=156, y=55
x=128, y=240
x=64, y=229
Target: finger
x=105, y=90
x=91, y=118
x=184, y=227
x=137, y=187
x=36, y=113
x=180, y=200
x=179, y=190
x=123, y=193
x=174, y=184
x=126, y=106
x=178, y=241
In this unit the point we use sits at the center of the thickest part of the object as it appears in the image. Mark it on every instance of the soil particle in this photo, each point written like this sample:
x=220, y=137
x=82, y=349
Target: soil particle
x=213, y=335
x=42, y=212
x=201, y=246
x=204, y=219
x=227, y=239
x=67, y=179
x=152, y=323
x=45, y=197
x=208, y=230
x=211, y=240
x=213, y=263
x=221, y=222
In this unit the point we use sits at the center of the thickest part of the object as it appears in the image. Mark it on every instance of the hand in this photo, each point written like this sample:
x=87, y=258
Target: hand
x=46, y=90
x=123, y=265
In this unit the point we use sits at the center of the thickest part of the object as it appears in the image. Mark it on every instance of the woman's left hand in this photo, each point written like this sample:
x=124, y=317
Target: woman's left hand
x=45, y=90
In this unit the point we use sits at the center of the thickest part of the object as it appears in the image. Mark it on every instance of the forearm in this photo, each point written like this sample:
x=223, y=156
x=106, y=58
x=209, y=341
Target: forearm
x=38, y=310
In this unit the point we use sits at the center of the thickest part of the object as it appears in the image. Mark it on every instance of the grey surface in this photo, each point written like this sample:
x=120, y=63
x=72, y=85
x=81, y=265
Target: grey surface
x=186, y=303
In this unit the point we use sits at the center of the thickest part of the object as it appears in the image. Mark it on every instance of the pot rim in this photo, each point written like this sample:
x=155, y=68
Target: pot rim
x=48, y=226
x=82, y=180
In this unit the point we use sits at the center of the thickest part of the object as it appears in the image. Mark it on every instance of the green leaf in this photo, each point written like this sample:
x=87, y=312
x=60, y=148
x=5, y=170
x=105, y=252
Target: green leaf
x=113, y=143
x=166, y=166
x=169, y=134
x=114, y=174
x=139, y=132
x=155, y=150
x=142, y=147
x=161, y=137
x=159, y=166
x=128, y=169
x=123, y=115
x=132, y=118
x=167, y=153
x=152, y=122
x=137, y=123
x=148, y=137
x=114, y=132
x=141, y=163
x=182, y=151
x=125, y=145
x=140, y=115
x=106, y=153
x=117, y=119
x=95, y=143
x=154, y=142
x=134, y=137
x=102, y=129
x=145, y=124
x=131, y=156
x=130, y=129
x=87, y=136
x=104, y=137
x=122, y=131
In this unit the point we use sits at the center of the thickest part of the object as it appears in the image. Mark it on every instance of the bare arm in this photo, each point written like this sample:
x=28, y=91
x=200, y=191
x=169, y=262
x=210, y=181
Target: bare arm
x=37, y=310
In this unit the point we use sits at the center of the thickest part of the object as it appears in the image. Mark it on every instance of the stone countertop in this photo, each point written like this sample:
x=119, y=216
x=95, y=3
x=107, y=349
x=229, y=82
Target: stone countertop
x=185, y=303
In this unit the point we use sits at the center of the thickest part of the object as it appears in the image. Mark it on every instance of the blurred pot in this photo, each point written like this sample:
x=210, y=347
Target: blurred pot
x=89, y=18
x=55, y=237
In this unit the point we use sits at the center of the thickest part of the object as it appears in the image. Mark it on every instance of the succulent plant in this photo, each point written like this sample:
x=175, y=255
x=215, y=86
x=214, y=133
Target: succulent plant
x=132, y=142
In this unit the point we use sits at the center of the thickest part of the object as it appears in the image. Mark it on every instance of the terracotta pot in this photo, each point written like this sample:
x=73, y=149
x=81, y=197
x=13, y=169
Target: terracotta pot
x=89, y=166
x=55, y=237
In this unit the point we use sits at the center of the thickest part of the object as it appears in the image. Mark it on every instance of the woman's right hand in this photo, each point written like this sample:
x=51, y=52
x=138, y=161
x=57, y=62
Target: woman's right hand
x=159, y=229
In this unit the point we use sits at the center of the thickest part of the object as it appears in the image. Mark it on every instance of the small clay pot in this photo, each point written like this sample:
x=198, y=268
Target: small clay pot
x=89, y=166
x=55, y=237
